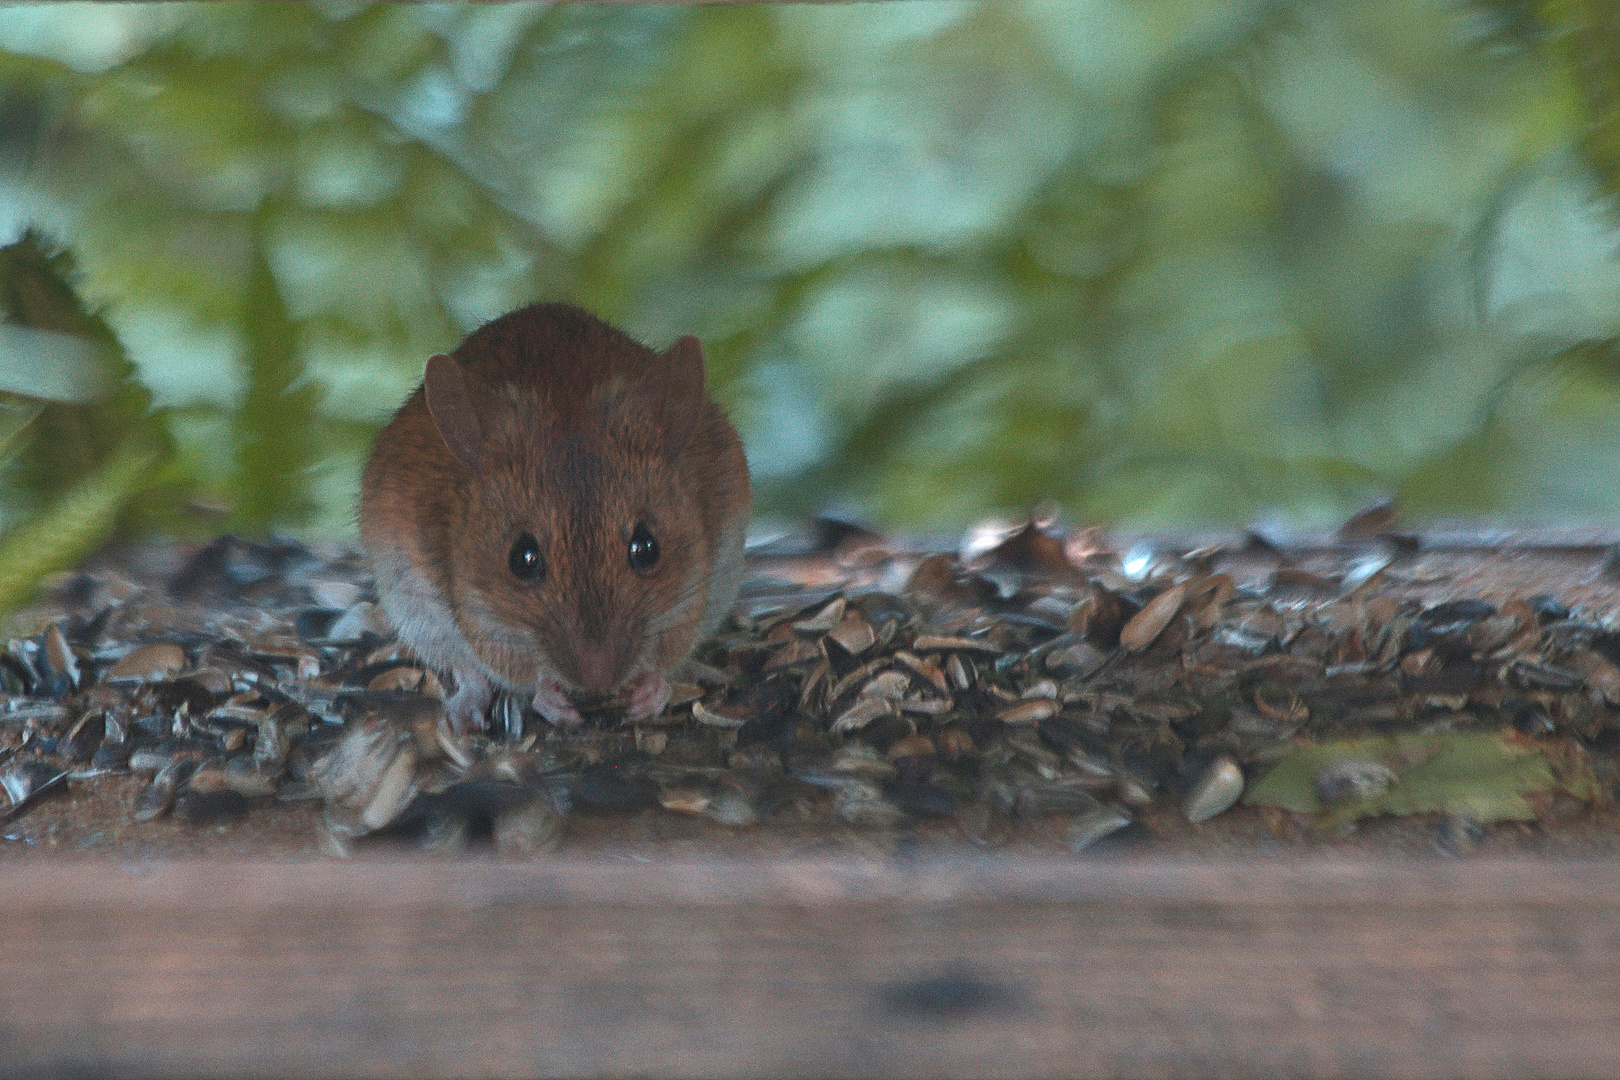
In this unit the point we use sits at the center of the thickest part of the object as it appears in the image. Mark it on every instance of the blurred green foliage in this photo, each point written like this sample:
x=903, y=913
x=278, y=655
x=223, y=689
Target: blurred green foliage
x=1160, y=262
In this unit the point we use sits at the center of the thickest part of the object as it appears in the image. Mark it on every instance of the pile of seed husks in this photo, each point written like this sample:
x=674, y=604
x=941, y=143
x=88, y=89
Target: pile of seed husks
x=1036, y=675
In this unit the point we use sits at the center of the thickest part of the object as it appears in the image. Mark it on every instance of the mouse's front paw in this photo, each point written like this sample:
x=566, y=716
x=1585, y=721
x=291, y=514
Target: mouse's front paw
x=551, y=701
x=649, y=693
x=466, y=708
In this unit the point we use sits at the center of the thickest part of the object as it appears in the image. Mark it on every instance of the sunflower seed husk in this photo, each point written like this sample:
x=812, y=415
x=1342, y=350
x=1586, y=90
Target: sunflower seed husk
x=1093, y=825
x=1146, y=625
x=1029, y=712
x=150, y=663
x=714, y=718
x=1216, y=789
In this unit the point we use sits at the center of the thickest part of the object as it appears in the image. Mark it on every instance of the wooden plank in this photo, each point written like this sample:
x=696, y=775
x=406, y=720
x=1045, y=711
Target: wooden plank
x=987, y=966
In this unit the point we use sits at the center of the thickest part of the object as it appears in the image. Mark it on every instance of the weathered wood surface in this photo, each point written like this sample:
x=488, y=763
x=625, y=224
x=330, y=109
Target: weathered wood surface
x=987, y=966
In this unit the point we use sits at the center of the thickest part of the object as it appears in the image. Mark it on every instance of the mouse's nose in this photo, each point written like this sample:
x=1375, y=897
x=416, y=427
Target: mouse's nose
x=596, y=667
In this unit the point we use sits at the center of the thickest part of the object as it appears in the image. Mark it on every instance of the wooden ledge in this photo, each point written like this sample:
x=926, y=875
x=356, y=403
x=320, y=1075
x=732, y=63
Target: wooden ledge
x=400, y=885
x=990, y=965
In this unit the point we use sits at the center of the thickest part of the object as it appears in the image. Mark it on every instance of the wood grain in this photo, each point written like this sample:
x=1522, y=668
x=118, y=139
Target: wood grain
x=986, y=966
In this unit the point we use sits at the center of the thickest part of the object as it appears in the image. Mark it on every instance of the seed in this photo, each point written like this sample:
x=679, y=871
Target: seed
x=1603, y=682
x=855, y=635
x=714, y=718
x=959, y=672
x=843, y=686
x=251, y=778
x=394, y=791
x=1146, y=625
x=937, y=643
x=1093, y=825
x=797, y=651
x=271, y=747
x=156, y=798
x=451, y=746
x=213, y=680
x=911, y=746
x=683, y=693
x=361, y=619
x=1089, y=766
x=25, y=782
x=1029, y=712
x=1419, y=662
x=863, y=712
x=858, y=759
x=1041, y=688
x=352, y=773
x=1081, y=660
x=150, y=759
x=925, y=668
x=111, y=756
x=685, y=800
x=926, y=706
x=150, y=663
x=208, y=778
x=1216, y=789
x=1028, y=745
x=391, y=653
x=506, y=716
x=1488, y=635
x=890, y=685
x=286, y=649
x=155, y=757
x=823, y=620
x=1098, y=615
x=59, y=658
x=400, y=678
x=333, y=595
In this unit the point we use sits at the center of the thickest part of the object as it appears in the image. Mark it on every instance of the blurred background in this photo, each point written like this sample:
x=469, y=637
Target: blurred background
x=1160, y=263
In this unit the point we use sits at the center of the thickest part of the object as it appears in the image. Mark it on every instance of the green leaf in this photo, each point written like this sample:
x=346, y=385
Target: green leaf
x=276, y=423
x=67, y=358
x=15, y=416
x=73, y=526
x=1485, y=777
x=1592, y=33
x=50, y=367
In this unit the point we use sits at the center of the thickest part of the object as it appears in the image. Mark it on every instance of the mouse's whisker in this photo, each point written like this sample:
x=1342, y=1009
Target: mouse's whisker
x=677, y=611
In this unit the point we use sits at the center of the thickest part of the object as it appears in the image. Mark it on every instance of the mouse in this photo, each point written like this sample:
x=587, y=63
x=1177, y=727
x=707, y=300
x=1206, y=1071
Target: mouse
x=557, y=511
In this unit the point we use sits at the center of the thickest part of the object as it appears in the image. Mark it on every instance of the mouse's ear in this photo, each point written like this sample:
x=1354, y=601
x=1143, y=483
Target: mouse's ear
x=455, y=401
x=682, y=401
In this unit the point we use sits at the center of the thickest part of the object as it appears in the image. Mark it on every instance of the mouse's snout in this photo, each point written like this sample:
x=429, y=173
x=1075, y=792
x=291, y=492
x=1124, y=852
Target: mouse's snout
x=597, y=666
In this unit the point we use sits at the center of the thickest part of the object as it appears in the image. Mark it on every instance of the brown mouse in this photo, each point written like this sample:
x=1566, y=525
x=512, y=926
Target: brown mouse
x=557, y=509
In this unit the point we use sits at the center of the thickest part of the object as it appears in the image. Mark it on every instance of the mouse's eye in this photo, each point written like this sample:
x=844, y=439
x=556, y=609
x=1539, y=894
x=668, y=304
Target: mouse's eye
x=525, y=560
x=643, y=550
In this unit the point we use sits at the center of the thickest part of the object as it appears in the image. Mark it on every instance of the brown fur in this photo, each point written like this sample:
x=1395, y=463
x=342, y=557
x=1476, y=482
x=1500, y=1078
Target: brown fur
x=580, y=433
